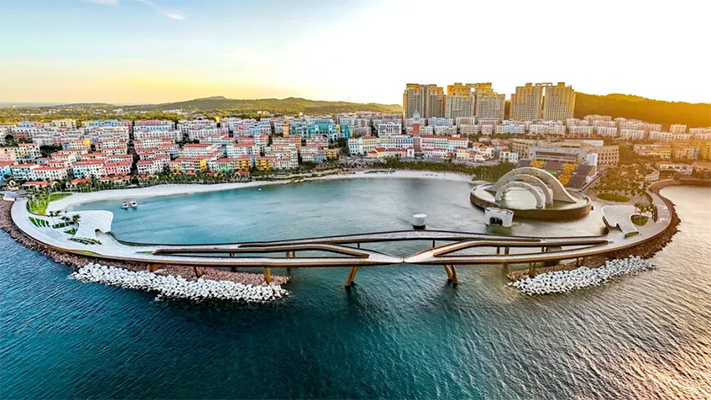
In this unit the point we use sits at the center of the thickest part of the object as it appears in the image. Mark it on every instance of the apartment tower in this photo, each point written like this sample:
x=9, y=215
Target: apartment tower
x=489, y=104
x=427, y=99
x=460, y=101
x=558, y=101
x=527, y=102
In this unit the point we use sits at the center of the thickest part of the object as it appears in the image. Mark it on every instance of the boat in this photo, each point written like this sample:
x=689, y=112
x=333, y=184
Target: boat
x=259, y=189
x=134, y=204
x=125, y=205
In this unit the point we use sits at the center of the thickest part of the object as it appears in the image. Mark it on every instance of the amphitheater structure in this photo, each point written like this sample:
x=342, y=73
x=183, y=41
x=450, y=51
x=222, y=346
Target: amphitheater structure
x=532, y=193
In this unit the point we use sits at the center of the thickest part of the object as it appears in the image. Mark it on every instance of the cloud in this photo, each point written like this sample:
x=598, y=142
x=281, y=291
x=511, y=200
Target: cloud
x=104, y=2
x=172, y=14
x=175, y=15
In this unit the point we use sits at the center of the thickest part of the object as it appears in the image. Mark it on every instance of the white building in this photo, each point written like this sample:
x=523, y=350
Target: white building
x=677, y=128
x=608, y=131
x=632, y=134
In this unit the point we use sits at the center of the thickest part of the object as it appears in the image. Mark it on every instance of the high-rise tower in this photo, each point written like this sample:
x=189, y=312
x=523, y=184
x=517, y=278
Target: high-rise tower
x=526, y=103
x=558, y=102
x=427, y=99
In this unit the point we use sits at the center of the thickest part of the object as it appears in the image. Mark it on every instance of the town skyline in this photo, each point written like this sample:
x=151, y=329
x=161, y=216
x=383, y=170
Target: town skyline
x=156, y=51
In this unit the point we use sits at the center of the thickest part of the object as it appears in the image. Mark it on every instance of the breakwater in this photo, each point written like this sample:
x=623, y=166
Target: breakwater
x=644, y=250
x=580, y=278
x=177, y=287
x=78, y=261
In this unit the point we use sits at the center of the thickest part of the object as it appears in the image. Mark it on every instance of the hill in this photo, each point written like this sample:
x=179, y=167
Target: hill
x=288, y=105
x=636, y=107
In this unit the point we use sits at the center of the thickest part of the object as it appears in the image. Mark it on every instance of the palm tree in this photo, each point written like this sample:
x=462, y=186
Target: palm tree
x=76, y=218
x=53, y=214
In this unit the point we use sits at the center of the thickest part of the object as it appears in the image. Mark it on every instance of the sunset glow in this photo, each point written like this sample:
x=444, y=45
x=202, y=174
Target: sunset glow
x=142, y=51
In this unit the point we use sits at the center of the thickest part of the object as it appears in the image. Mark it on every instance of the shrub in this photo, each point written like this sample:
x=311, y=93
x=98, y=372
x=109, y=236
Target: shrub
x=613, y=197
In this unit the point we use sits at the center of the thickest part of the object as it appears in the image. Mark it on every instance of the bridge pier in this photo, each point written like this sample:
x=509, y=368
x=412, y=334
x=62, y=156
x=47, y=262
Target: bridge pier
x=152, y=267
x=268, y=275
x=199, y=271
x=233, y=255
x=498, y=250
x=234, y=269
x=451, y=273
x=532, y=269
x=455, y=279
x=351, y=277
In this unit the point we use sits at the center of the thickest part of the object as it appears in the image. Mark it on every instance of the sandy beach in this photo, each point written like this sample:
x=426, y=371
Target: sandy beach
x=169, y=190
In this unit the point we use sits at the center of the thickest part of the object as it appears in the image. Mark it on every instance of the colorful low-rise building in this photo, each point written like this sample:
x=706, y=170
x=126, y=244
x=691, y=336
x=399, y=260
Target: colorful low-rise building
x=116, y=168
x=88, y=169
x=50, y=174
x=187, y=165
x=265, y=163
x=656, y=150
x=23, y=171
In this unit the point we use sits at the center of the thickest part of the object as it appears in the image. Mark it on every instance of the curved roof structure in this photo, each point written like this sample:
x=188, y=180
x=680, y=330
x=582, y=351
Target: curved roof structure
x=559, y=192
x=540, y=202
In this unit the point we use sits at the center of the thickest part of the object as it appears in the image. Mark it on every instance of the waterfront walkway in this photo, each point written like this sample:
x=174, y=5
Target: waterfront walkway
x=343, y=251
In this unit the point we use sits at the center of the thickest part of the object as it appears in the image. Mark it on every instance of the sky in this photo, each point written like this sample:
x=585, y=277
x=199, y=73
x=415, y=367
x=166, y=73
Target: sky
x=149, y=51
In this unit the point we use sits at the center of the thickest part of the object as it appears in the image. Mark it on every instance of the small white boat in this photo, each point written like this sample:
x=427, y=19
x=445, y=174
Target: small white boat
x=125, y=205
x=134, y=204
x=259, y=189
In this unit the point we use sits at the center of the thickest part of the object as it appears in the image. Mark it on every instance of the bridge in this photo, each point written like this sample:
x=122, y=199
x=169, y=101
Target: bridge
x=448, y=248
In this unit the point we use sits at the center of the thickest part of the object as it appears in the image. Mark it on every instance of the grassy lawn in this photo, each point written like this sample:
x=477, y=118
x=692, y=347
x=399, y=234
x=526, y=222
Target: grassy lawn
x=39, y=205
x=640, y=220
x=39, y=222
x=613, y=197
x=71, y=232
x=85, y=252
x=58, y=196
x=86, y=241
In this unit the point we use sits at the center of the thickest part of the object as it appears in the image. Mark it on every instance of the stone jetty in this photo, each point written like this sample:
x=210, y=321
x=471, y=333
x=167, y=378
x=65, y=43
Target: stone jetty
x=170, y=287
x=579, y=278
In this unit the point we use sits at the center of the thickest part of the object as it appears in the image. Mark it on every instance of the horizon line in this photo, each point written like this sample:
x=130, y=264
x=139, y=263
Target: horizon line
x=37, y=104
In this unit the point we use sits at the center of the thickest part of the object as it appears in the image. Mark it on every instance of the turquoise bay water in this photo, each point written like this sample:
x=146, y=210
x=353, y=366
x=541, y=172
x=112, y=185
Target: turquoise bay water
x=402, y=332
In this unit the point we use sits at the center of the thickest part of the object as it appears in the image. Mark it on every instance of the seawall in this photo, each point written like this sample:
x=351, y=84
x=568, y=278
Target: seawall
x=644, y=250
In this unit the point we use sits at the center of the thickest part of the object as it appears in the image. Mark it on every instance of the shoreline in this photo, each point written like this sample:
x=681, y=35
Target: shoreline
x=78, y=198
